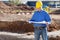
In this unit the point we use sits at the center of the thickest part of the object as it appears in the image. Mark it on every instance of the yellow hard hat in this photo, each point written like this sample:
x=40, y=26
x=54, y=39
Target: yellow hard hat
x=39, y=4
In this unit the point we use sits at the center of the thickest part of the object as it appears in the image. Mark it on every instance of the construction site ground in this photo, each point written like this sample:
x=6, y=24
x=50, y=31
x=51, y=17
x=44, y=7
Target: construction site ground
x=13, y=29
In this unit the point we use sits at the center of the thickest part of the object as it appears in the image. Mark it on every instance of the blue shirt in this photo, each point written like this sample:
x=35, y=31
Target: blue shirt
x=40, y=16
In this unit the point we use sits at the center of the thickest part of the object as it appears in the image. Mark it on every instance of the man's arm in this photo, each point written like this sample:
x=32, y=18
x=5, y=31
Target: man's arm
x=47, y=18
x=33, y=17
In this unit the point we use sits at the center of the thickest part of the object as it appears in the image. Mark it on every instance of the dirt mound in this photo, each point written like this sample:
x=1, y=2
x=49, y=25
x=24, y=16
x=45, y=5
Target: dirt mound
x=3, y=6
x=54, y=38
x=54, y=25
x=13, y=9
x=24, y=7
x=17, y=26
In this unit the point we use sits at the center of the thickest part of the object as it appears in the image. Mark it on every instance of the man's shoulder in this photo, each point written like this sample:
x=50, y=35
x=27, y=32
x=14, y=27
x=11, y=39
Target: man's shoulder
x=44, y=11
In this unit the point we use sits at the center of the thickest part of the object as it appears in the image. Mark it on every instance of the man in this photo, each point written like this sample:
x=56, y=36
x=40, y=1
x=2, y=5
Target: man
x=40, y=20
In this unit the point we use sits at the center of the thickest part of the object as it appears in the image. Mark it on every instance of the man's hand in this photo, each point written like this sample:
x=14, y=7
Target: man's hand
x=47, y=23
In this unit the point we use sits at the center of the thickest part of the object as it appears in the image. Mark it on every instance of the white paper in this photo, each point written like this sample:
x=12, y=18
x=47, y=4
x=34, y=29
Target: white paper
x=43, y=22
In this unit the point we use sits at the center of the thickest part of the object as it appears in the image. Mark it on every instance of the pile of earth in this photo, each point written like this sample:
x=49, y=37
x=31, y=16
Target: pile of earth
x=16, y=26
x=11, y=8
x=3, y=6
x=54, y=38
x=55, y=25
